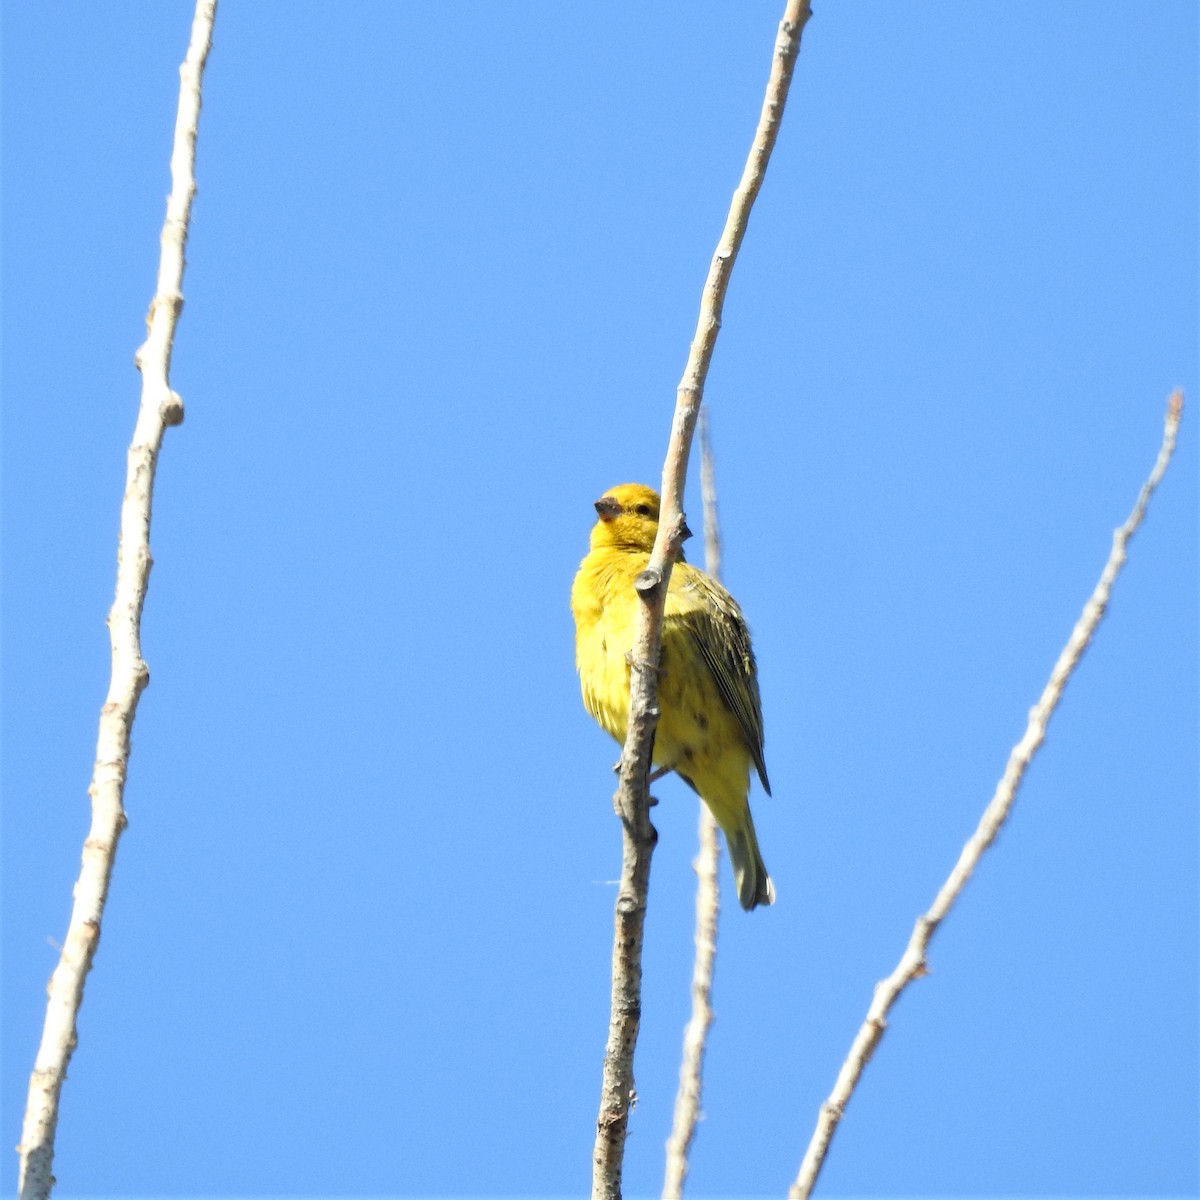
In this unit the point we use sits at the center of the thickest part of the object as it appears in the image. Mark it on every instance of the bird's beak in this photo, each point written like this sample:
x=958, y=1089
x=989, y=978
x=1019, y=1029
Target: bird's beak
x=607, y=507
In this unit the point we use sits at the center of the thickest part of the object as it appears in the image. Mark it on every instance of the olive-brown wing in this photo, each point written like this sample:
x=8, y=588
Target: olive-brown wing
x=699, y=604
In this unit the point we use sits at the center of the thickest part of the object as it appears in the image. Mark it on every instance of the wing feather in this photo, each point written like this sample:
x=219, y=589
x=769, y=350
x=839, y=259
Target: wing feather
x=713, y=620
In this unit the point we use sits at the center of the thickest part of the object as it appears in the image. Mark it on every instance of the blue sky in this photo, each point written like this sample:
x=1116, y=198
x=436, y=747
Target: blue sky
x=443, y=271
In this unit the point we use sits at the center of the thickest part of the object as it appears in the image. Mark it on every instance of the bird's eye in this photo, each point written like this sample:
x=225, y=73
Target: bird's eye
x=643, y=510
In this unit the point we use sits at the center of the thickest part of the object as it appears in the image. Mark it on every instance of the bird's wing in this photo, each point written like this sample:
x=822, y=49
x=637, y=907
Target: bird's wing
x=699, y=604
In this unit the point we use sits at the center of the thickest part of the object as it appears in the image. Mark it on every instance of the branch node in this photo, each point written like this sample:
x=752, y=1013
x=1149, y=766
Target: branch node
x=171, y=409
x=677, y=535
x=647, y=582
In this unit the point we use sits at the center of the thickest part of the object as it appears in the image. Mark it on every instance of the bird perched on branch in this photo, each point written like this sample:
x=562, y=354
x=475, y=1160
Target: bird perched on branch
x=710, y=726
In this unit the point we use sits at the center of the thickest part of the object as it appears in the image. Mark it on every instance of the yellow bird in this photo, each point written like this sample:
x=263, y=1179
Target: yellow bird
x=710, y=726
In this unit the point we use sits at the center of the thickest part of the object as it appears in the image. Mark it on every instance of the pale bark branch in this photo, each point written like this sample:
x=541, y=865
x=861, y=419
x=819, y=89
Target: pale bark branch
x=708, y=497
x=689, y=1098
x=632, y=800
x=912, y=964
x=159, y=408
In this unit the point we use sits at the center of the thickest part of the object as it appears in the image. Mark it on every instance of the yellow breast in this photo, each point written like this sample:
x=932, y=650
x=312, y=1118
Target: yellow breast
x=605, y=608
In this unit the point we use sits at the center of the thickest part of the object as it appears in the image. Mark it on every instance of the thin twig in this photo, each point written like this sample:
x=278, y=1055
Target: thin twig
x=632, y=800
x=708, y=496
x=689, y=1097
x=159, y=408
x=912, y=963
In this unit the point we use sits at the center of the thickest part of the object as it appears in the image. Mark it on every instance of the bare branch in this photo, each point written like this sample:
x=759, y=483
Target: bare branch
x=912, y=964
x=689, y=1097
x=159, y=408
x=632, y=800
x=708, y=496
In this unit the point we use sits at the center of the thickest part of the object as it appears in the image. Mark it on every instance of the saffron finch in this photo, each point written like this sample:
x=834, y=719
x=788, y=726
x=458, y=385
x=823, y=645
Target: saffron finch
x=710, y=726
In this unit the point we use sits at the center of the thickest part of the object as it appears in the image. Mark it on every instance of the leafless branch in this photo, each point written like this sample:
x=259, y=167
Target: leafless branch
x=159, y=408
x=912, y=964
x=632, y=800
x=689, y=1097
x=708, y=496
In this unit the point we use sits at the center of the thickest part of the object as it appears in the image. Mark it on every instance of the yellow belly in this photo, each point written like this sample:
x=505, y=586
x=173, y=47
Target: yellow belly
x=697, y=735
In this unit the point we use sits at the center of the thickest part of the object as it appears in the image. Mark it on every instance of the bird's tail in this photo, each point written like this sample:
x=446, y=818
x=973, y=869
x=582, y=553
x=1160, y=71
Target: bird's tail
x=754, y=885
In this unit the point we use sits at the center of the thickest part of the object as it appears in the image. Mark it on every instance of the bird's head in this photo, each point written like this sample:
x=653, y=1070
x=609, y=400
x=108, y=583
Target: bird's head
x=628, y=518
